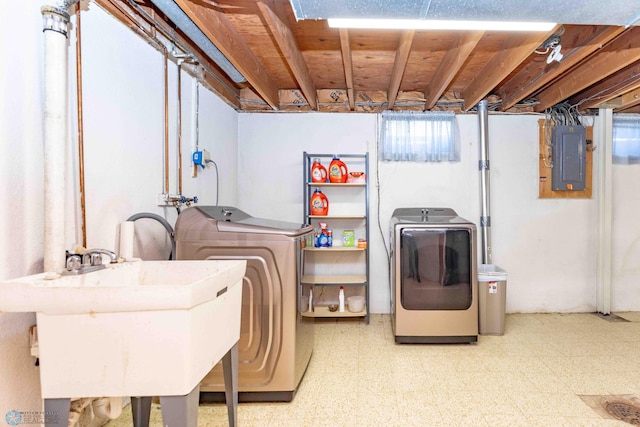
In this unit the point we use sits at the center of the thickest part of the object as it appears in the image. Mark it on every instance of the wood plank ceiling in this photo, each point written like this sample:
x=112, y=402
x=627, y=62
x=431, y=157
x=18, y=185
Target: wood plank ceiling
x=304, y=65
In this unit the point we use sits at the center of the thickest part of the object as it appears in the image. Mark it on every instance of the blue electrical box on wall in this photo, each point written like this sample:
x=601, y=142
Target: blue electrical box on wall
x=569, y=157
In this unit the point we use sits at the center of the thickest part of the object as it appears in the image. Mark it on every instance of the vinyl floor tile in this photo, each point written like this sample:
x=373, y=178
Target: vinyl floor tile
x=530, y=376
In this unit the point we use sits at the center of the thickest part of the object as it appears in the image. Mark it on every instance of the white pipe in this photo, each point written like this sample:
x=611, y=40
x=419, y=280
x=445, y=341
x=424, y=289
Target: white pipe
x=127, y=235
x=605, y=190
x=55, y=28
x=196, y=109
x=179, y=128
x=195, y=102
x=55, y=22
x=104, y=409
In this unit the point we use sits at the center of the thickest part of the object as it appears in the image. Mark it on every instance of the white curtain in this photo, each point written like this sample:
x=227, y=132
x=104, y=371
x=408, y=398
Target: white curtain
x=626, y=138
x=419, y=137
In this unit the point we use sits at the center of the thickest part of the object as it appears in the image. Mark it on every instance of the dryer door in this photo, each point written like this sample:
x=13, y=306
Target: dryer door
x=436, y=269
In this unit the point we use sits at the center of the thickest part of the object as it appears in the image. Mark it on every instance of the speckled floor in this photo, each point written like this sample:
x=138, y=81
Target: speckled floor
x=533, y=375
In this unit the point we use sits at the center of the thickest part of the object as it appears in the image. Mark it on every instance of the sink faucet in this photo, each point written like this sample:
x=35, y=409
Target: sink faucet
x=90, y=261
x=94, y=256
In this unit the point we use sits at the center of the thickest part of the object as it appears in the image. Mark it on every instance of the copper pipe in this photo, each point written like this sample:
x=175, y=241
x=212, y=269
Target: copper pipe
x=83, y=209
x=166, y=121
x=150, y=36
x=179, y=127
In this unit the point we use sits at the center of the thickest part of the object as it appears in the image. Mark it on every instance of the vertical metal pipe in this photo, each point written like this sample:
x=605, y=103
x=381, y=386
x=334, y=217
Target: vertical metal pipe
x=179, y=147
x=196, y=130
x=485, y=182
x=166, y=122
x=55, y=22
x=83, y=211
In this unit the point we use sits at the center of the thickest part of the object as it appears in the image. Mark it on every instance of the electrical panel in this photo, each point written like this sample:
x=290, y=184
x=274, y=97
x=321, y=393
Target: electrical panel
x=569, y=148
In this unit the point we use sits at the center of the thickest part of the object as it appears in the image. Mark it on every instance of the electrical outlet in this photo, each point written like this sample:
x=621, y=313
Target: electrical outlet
x=200, y=158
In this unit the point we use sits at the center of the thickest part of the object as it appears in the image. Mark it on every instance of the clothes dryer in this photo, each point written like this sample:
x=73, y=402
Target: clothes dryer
x=434, y=291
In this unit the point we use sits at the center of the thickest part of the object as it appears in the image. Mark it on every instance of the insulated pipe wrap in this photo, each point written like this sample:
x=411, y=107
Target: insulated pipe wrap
x=55, y=135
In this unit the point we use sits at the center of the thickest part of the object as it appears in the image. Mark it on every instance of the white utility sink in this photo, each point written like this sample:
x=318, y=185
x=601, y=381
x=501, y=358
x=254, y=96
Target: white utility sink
x=146, y=328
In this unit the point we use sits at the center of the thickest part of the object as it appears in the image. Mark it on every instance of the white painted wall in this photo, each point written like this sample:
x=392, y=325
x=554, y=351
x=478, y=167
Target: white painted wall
x=547, y=246
x=21, y=185
x=124, y=136
x=271, y=147
x=123, y=112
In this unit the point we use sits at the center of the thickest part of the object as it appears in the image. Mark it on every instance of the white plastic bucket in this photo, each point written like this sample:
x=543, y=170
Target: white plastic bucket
x=355, y=303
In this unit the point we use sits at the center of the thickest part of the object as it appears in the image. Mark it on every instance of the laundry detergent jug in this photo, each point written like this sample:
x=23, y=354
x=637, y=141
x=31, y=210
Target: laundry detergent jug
x=337, y=170
x=319, y=203
x=318, y=172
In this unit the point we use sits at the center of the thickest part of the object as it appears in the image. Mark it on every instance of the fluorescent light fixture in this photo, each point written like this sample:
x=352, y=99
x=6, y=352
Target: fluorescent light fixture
x=431, y=24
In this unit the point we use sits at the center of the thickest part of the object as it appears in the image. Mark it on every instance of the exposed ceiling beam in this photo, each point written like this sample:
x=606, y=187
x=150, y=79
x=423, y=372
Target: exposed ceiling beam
x=287, y=43
x=226, y=38
x=521, y=88
x=450, y=65
x=621, y=52
x=630, y=99
x=515, y=50
x=620, y=82
x=623, y=102
x=399, y=65
x=347, y=64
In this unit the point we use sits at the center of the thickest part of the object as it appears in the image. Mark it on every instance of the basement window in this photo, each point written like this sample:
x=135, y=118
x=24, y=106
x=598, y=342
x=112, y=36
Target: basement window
x=626, y=139
x=419, y=137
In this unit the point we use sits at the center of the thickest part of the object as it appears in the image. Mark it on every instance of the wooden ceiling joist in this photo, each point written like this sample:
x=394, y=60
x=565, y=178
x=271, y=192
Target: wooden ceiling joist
x=347, y=63
x=519, y=89
x=287, y=43
x=622, y=81
x=399, y=65
x=621, y=52
x=623, y=102
x=226, y=38
x=630, y=99
x=514, y=51
x=450, y=65
x=302, y=65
